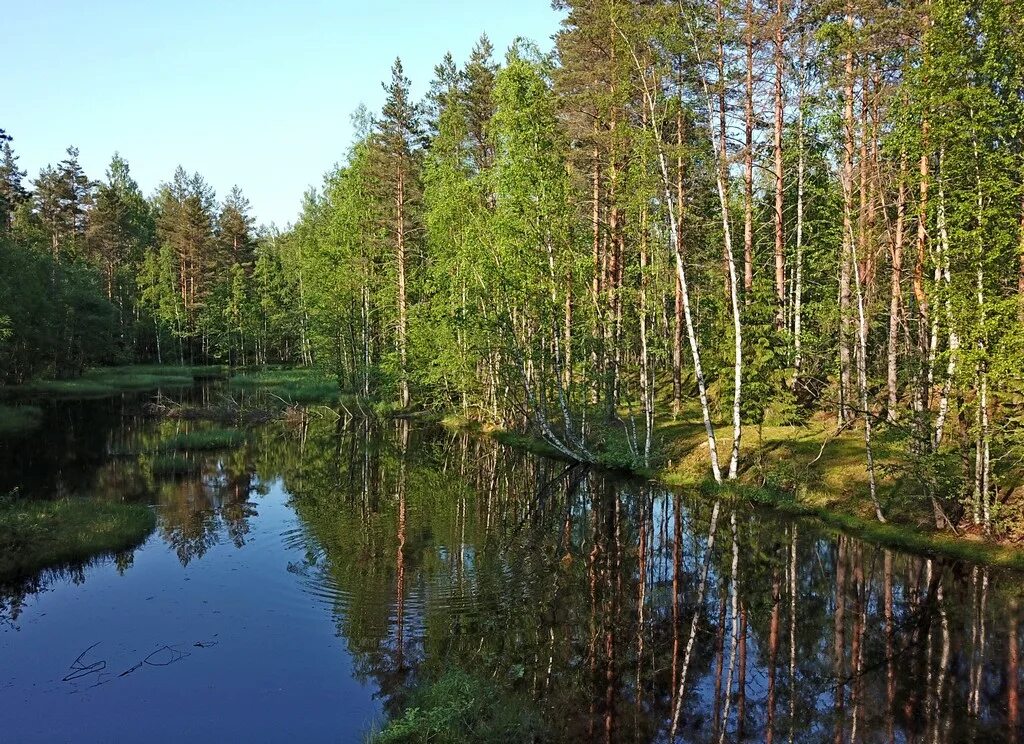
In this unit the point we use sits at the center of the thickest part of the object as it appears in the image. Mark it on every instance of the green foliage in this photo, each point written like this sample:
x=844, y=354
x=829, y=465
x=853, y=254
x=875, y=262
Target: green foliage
x=56, y=320
x=463, y=709
x=503, y=249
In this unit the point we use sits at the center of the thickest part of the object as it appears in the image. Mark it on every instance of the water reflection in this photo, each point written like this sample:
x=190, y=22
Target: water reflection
x=622, y=611
x=628, y=613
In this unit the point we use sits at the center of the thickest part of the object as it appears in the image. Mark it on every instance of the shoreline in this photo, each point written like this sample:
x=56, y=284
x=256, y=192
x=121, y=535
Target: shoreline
x=892, y=534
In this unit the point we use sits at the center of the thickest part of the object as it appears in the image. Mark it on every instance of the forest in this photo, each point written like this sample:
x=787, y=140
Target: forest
x=738, y=215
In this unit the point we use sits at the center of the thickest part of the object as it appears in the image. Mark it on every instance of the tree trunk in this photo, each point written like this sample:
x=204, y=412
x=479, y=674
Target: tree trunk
x=954, y=339
x=403, y=310
x=896, y=292
x=862, y=381
x=718, y=141
x=845, y=409
x=748, y=160
x=780, y=256
x=798, y=277
x=670, y=203
x=677, y=335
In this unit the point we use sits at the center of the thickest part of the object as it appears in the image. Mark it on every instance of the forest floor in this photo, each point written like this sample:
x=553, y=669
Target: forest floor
x=820, y=470
x=40, y=534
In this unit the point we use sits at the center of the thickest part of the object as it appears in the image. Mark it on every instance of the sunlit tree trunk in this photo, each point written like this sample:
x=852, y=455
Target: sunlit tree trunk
x=403, y=308
x=780, y=247
x=896, y=292
x=718, y=140
x=799, y=258
x=748, y=155
x=862, y=381
x=845, y=409
x=954, y=339
x=677, y=328
x=675, y=240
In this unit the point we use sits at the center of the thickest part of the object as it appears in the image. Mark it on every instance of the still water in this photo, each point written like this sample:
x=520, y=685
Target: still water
x=296, y=588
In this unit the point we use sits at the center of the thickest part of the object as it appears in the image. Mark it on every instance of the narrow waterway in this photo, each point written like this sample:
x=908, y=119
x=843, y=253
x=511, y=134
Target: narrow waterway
x=299, y=586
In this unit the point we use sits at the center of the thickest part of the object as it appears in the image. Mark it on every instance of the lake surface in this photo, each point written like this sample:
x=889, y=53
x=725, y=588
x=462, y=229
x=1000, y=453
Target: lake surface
x=299, y=586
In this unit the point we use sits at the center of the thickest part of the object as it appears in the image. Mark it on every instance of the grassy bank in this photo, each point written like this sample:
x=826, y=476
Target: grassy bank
x=35, y=535
x=107, y=381
x=298, y=385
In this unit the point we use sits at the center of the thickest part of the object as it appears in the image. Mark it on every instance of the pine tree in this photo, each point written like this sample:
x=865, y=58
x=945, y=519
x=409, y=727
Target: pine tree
x=12, y=192
x=397, y=144
x=120, y=226
x=478, y=76
x=63, y=195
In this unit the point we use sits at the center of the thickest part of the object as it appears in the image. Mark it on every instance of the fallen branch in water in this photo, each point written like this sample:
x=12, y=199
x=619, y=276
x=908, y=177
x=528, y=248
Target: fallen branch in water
x=77, y=670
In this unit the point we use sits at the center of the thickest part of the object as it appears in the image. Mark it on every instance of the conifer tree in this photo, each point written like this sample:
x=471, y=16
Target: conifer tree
x=12, y=190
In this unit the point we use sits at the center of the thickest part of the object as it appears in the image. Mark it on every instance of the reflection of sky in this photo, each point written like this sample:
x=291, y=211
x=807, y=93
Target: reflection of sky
x=271, y=666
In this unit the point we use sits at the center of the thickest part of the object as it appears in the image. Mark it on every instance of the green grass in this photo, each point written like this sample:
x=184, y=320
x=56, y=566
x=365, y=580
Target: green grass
x=459, y=708
x=35, y=535
x=106, y=381
x=204, y=440
x=173, y=465
x=300, y=385
x=19, y=419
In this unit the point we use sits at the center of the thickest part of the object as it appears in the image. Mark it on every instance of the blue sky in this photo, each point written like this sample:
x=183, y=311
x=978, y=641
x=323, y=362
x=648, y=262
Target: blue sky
x=256, y=93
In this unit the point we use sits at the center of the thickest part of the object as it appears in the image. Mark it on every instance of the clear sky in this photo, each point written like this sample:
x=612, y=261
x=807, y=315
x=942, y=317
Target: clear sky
x=257, y=93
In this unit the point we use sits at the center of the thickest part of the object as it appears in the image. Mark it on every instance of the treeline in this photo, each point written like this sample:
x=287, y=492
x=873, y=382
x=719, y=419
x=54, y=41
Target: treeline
x=96, y=273
x=732, y=211
x=746, y=212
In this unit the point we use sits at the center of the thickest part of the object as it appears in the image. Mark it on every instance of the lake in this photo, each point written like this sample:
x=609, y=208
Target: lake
x=300, y=586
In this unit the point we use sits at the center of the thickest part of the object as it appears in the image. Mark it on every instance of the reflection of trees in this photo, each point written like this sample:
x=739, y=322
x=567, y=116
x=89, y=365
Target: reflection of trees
x=15, y=594
x=581, y=592
x=66, y=452
x=616, y=607
x=196, y=512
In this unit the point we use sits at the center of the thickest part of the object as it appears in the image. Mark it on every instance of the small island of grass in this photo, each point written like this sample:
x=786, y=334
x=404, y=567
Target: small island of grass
x=38, y=534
